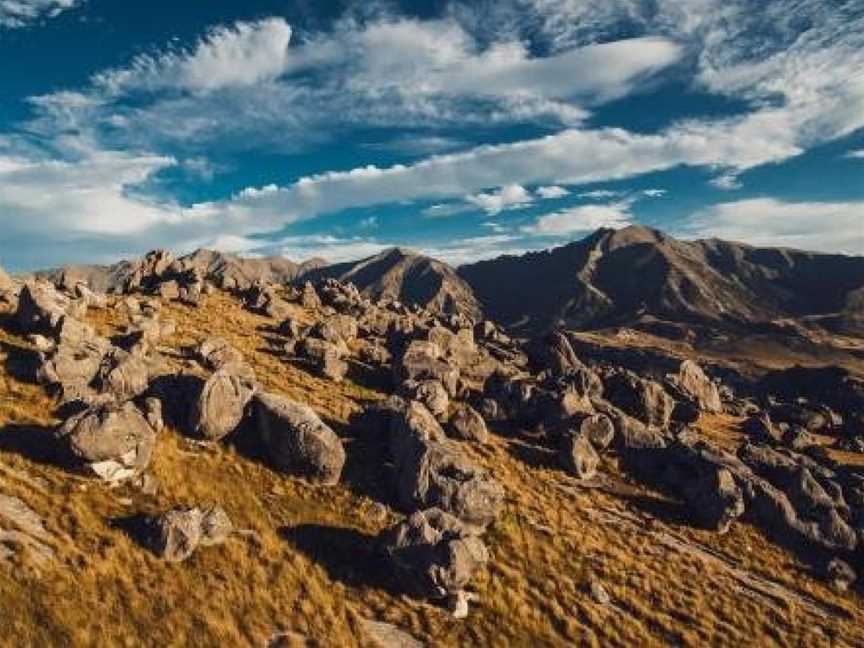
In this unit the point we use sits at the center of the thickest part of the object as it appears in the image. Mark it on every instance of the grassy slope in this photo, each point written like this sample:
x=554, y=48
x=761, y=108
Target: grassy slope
x=305, y=564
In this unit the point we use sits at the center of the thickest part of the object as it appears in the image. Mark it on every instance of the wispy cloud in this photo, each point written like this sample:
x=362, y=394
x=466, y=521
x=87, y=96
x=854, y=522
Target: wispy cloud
x=825, y=226
x=552, y=192
x=15, y=14
x=585, y=218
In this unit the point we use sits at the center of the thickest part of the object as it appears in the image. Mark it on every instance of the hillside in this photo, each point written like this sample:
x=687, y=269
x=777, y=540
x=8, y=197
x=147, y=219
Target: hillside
x=620, y=277
x=551, y=458
x=404, y=276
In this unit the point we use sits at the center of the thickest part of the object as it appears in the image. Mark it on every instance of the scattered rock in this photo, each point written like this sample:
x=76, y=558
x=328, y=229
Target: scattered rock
x=467, y=424
x=297, y=440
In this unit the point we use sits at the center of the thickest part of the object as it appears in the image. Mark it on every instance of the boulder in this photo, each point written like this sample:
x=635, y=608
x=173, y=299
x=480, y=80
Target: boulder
x=434, y=554
x=122, y=375
x=297, y=440
x=552, y=353
x=695, y=386
x=114, y=440
x=467, y=424
x=641, y=398
x=309, y=297
x=176, y=534
x=215, y=353
x=438, y=475
x=221, y=405
x=429, y=392
x=40, y=307
x=577, y=455
x=598, y=429
x=422, y=361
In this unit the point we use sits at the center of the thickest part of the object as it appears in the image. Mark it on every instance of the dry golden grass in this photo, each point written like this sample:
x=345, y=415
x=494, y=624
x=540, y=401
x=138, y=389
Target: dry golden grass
x=304, y=564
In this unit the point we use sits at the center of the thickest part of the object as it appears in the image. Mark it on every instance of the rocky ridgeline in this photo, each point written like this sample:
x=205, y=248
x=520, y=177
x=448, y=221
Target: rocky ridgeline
x=451, y=380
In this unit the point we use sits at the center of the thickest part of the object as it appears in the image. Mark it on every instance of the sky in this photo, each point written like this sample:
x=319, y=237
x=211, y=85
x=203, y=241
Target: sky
x=464, y=130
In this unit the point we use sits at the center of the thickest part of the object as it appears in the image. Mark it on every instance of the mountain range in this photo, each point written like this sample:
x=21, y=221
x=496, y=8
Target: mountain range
x=627, y=277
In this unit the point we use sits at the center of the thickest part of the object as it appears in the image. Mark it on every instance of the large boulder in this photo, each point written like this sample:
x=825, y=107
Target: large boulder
x=577, y=455
x=297, y=440
x=429, y=392
x=116, y=441
x=434, y=553
x=40, y=307
x=422, y=360
x=220, y=407
x=439, y=475
x=695, y=386
x=467, y=424
x=552, y=353
x=641, y=398
x=122, y=375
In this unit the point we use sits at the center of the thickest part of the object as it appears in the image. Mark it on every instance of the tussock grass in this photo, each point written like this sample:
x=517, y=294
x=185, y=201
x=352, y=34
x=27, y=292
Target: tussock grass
x=304, y=562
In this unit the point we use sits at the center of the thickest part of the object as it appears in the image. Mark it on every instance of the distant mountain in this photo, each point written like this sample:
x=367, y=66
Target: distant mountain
x=227, y=270
x=621, y=277
x=408, y=277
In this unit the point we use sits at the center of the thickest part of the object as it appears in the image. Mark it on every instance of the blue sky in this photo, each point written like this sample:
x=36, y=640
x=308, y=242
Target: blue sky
x=465, y=130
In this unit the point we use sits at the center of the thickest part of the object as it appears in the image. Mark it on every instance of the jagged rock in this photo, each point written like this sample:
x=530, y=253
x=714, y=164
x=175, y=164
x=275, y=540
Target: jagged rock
x=115, y=440
x=467, y=424
x=798, y=438
x=643, y=399
x=761, y=428
x=553, y=353
x=215, y=353
x=716, y=498
x=297, y=440
x=598, y=429
x=291, y=328
x=410, y=425
x=421, y=361
x=577, y=455
x=220, y=407
x=177, y=533
x=72, y=367
x=795, y=415
x=429, y=392
x=90, y=298
x=434, y=553
x=439, y=475
x=309, y=297
x=122, y=375
x=696, y=386
x=325, y=357
x=40, y=307
x=336, y=328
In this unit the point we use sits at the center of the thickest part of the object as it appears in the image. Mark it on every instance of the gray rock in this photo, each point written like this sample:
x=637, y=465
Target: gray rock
x=642, y=399
x=115, y=440
x=297, y=440
x=122, y=375
x=439, y=475
x=578, y=456
x=177, y=533
x=221, y=405
x=429, y=392
x=434, y=553
x=692, y=381
x=40, y=307
x=467, y=424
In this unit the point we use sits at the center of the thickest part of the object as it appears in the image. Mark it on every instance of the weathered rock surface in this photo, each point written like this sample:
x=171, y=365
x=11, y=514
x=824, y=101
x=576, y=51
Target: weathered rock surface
x=297, y=440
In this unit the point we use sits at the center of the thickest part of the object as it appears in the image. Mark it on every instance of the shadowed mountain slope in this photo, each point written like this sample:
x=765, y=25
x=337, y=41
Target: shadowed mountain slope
x=618, y=277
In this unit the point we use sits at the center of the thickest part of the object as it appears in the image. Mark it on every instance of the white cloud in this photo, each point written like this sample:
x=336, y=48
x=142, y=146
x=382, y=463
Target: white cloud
x=20, y=13
x=242, y=55
x=855, y=155
x=418, y=144
x=580, y=219
x=726, y=181
x=552, y=192
x=512, y=196
x=820, y=226
x=654, y=192
x=599, y=194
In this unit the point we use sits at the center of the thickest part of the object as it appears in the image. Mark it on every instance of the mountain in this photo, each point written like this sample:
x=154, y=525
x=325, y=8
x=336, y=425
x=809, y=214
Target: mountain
x=405, y=276
x=622, y=277
x=223, y=269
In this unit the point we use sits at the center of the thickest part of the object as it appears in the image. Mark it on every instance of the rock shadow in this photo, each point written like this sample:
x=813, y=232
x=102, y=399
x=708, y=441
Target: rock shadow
x=37, y=444
x=347, y=555
x=21, y=363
